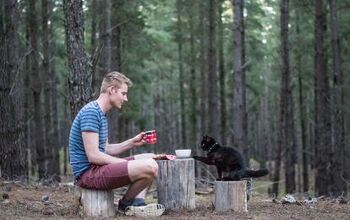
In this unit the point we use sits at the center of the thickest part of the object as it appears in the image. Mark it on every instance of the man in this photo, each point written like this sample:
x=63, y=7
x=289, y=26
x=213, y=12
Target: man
x=93, y=159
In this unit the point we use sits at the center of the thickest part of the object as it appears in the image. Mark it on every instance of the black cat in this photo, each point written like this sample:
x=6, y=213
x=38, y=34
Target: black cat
x=226, y=159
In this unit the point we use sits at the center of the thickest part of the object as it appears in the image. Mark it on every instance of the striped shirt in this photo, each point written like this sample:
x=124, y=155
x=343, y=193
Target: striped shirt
x=89, y=118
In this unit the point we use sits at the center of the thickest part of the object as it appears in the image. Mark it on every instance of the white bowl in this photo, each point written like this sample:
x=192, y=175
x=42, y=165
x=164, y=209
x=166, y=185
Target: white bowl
x=183, y=153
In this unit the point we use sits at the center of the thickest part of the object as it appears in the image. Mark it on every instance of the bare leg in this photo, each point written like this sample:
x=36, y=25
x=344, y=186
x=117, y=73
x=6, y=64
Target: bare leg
x=142, y=173
x=144, y=156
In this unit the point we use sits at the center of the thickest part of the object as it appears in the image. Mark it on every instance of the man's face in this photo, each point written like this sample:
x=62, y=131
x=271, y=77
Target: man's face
x=119, y=96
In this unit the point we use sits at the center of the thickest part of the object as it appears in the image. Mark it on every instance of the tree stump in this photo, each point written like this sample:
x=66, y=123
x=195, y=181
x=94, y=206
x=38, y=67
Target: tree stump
x=97, y=203
x=231, y=195
x=175, y=184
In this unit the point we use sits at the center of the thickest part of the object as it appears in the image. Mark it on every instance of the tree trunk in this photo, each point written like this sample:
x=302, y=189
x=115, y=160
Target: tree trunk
x=287, y=119
x=338, y=186
x=222, y=76
x=52, y=159
x=203, y=89
x=213, y=111
x=183, y=126
x=239, y=102
x=192, y=82
x=93, y=40
x=13, y=164
x=302, y=111
x=322, y=106
x=79, y=77
x=107, y=39
x=36, y=87
x=176, y=184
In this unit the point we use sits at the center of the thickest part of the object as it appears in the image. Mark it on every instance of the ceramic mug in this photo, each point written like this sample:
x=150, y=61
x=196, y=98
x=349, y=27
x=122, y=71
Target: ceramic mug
x=150, y=137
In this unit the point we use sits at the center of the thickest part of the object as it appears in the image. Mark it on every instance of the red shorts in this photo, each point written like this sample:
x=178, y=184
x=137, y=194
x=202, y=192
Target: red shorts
x=105, y=177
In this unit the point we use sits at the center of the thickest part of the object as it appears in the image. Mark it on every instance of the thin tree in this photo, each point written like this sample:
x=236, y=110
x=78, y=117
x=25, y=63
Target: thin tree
x=286, y=136
x=222, y=76
x=322, y=141
x=202, y=89
x=183, y=126
x=93, y=41
x=302, y=111
x=239, y=97
x=338, y=186
x=53, y=168
x=192, y=82
x=213, y=111
x=36, y=87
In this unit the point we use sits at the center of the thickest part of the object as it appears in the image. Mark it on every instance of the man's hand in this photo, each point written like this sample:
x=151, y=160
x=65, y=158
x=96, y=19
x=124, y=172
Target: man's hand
x=159, y=157
x=138, y=140
x=164, y=157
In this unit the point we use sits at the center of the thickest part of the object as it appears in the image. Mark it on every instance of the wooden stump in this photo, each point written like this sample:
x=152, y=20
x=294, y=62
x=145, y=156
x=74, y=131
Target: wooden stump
x=97, y=203
x=175, y=184
x=231, y=195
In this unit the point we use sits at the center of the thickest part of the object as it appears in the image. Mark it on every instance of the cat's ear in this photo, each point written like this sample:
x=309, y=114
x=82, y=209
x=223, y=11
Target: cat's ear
x=207, y=137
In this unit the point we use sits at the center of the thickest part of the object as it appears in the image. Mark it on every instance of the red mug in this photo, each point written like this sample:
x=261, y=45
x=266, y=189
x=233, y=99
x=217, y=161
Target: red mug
x=150, y=137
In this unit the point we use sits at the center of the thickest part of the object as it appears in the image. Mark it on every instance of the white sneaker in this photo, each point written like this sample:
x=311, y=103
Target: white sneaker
x=150, y=210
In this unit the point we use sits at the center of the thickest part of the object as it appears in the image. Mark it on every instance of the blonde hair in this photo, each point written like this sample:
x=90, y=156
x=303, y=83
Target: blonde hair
x=114, y=79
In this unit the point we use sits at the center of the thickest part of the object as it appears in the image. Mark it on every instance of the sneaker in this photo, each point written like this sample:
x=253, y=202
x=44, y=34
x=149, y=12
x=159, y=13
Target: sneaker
x=150, y=210
x=139, y=202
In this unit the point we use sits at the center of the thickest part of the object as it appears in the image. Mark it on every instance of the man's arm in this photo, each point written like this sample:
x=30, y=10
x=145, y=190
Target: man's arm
x=115, y=149
x=94, y=155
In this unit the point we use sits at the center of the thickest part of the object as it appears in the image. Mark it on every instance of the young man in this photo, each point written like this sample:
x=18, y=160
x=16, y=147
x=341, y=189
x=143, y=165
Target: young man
x=93, y=159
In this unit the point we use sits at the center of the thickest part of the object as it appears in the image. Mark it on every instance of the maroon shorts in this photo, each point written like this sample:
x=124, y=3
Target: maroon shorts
x=105, y=177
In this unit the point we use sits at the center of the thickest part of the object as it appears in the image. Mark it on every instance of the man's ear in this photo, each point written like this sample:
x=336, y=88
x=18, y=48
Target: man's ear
x=111, y=90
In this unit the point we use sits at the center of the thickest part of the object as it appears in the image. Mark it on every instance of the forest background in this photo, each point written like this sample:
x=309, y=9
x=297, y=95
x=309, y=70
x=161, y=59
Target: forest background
x=265, y=76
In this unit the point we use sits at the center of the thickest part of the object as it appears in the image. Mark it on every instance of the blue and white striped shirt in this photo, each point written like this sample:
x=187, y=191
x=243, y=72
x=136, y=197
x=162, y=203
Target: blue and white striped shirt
x=89, y=118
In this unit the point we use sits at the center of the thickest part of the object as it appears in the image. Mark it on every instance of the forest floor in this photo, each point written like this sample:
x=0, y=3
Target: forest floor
x=36, y=201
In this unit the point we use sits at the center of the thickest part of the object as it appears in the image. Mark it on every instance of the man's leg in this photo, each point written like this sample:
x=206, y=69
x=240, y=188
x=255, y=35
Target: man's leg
x=141, y=173
x=143, y=193
x=144, y=156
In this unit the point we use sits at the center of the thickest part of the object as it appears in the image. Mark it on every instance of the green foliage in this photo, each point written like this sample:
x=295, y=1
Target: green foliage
x=150, y=38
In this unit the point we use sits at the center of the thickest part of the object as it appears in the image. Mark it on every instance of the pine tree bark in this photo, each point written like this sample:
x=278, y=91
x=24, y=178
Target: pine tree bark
x=51, y=147
x=322, y=106
x=302, y=112
x=222, y=78
x=338, y=186
x=202, y=89
x=106, y=32
x=286, y=138
x=213, y=95
x=192, y=82
x=183, y=126
x=287, y=129
x=36, y=88
x=13, y=155
x=93, y=41
x=79, y=77
x=239, y=102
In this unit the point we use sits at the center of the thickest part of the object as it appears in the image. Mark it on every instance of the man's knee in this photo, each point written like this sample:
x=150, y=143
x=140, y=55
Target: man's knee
x=152, y=167
x=146, y=168
x=144, y=156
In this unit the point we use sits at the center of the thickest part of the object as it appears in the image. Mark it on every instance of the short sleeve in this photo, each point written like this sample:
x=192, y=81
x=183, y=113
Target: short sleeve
x=90, y=120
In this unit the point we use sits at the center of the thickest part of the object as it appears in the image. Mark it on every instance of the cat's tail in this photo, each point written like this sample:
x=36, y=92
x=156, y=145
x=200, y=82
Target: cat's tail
x=255, y=173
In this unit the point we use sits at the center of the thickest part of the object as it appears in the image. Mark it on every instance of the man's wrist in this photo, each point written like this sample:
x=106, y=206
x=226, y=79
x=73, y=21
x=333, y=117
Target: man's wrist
x=131, y=143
